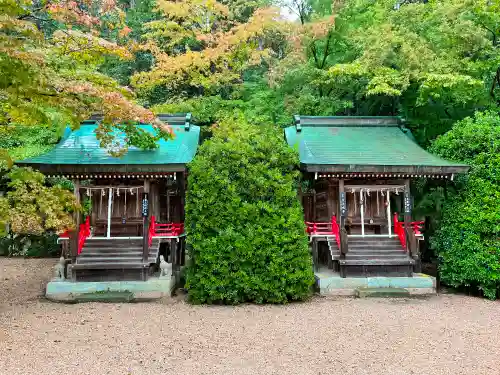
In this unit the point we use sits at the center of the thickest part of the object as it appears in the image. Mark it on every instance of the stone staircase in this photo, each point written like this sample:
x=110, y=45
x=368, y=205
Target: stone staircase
x=375, y=256
x=114, y=259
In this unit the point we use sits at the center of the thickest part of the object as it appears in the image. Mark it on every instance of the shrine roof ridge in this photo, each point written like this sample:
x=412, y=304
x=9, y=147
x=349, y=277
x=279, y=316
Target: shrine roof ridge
x=171, y=119
x=341, y=121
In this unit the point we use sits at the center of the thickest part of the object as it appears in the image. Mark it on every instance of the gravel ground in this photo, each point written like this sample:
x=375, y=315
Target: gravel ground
x=448, y=334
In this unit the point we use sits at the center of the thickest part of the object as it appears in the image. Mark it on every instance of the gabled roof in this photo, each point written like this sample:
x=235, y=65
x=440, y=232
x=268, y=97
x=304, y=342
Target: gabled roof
x=79, y=150
x=361, y=145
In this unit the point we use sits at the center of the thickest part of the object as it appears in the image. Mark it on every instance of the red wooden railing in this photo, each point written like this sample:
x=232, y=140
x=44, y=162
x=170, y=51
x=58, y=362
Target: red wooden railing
x=151, y=231
x=319, y=228
x=417, y=227
x=324, y=229
x=336, y=230
x=83, y=233
x=400, y=230
x=170, y=229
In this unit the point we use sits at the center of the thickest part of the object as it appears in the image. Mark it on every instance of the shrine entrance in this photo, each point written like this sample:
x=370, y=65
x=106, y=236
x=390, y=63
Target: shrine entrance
x=369, y=208
x=117, y=207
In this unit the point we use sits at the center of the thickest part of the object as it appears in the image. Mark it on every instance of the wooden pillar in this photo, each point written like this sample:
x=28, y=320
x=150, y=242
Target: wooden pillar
x=314, y=202
x=389, y=223
x=110, y=210
x=342, y=215
x=168, y=204
x=362, y=211
x=410, y=240
x=342, y=211
x=152, y=199
x=407, y=203
x=155, y=200
x=329, y=203
x=77, y=219
x=145, y=218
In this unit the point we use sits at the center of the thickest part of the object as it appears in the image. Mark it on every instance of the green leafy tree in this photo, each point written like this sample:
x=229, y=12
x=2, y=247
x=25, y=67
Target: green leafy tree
x=244, y=221
x=468, y=240
x=138, y=13
x=432, y=62
x=49, y=54
x=30, y=206
x=200, y=49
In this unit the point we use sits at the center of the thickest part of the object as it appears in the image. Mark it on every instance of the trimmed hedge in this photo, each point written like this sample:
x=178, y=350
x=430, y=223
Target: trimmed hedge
x=245, y=226
x=468, y=241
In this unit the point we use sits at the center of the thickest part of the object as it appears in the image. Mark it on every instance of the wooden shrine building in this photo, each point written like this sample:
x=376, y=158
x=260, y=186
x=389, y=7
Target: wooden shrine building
x=356, y=196
x=133, y=205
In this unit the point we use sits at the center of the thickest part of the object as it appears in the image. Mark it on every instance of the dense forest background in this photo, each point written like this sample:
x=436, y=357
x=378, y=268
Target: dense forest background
x=436, y=63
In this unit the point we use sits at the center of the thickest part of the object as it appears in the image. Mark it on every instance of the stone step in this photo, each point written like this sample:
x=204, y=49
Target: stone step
x=114, y=254
x=89, y=258
x=110, y=265
x=376, y=244
x=362, y=250
x=376, y=262
x=112, y=249
x=124, y=260
x=376, y=256
x=114, y=240
x=378, y=251
x=117, y=243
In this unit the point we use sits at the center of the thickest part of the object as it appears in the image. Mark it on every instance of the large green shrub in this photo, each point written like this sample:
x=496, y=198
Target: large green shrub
x=468, y=241
x=244, y=222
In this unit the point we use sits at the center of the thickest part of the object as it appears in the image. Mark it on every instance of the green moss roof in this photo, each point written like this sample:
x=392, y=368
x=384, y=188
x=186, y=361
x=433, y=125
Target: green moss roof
x=362, y=144
x=80, y=147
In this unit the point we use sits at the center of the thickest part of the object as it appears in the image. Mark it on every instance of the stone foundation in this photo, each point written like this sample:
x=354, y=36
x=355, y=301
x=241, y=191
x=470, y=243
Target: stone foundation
x=112, y=291
x=330, y=283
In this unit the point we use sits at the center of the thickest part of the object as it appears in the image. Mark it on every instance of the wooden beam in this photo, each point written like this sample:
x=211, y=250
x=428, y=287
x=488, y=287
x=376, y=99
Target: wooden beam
x=376, y=187
x=86, y=169
x=387, y=169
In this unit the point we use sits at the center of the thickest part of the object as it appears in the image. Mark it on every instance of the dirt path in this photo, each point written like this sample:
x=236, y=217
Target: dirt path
x=23, y=280
x=442, y=335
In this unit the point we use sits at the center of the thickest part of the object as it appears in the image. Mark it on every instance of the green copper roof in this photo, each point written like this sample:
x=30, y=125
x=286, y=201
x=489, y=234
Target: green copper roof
x=81, y=148
x=362, y=144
